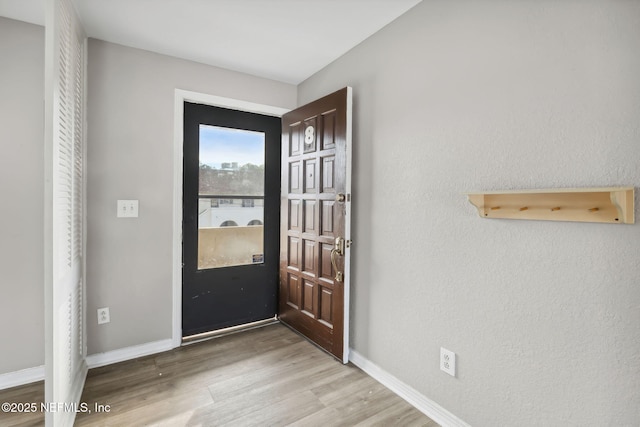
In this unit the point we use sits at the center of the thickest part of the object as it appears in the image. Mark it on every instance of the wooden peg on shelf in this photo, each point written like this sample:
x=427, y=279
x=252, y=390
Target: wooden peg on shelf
x=604, y=205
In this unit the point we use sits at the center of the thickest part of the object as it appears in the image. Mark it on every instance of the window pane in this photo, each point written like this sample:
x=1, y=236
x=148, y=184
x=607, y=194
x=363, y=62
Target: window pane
x=231, y=197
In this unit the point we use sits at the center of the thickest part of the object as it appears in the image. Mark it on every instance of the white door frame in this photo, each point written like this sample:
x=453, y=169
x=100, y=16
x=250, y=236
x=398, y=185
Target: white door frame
x=200, y=98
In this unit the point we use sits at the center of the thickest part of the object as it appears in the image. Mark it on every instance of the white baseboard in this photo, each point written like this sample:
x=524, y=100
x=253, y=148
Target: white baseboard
x=21, y=377
x=128, y=353
x=427, y=406
x=31, y=375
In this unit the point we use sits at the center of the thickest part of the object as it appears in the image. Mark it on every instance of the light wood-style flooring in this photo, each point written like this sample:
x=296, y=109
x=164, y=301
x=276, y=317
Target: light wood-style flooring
x=268, y=376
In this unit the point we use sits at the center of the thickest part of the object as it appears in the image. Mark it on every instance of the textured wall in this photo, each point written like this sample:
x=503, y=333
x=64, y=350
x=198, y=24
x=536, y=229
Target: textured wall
x=22, y=193
x=130, y=156
x=487, y=95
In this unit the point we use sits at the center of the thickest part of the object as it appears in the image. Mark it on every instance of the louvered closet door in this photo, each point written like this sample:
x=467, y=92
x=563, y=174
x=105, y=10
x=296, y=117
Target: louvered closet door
x=64, y=210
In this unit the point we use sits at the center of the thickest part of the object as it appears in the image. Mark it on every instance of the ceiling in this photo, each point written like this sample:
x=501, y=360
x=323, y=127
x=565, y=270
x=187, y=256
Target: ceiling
x=284, y=40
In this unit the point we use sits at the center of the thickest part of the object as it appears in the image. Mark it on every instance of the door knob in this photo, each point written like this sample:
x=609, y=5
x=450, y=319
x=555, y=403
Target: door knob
x=338, y=249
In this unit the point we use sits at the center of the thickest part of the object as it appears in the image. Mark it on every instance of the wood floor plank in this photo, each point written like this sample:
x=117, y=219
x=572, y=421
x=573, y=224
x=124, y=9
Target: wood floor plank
x=147, y=413
x=397, y=415
x=30, y=393
x=363, y=406
x=268, y=376
x=282, y=412
x=276, y=379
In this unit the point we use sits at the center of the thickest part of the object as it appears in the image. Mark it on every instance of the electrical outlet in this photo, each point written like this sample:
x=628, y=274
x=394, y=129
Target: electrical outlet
x=103, y=315
x=448, y=361
x=127, y=209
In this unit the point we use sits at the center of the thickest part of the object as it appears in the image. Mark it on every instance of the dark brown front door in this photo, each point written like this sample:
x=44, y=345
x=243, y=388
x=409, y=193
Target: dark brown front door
x=315, y=221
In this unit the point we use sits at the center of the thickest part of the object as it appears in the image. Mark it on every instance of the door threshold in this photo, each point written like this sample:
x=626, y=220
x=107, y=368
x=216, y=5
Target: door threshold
x=192, y=339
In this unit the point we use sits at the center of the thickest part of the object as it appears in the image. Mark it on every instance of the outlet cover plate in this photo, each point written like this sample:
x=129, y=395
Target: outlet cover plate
x=448, y=361
x=103, y=315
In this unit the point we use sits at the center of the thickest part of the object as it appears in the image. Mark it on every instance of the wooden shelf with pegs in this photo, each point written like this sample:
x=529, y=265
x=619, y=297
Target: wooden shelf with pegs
x=610, y=205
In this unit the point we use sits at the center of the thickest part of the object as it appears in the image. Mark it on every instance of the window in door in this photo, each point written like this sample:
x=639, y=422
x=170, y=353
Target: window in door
x=230, y=197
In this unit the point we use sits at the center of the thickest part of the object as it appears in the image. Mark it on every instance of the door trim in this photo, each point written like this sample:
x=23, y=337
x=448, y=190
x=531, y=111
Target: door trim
x=180, y=96
x=347, y=229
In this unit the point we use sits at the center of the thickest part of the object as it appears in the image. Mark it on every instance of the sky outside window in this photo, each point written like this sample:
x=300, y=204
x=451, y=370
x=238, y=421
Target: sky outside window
x=231, y=161
x=224, y=145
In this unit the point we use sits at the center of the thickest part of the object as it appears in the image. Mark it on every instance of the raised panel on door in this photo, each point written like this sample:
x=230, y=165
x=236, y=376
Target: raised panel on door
x=294, y=215
x=329, y=130
x=310, y=181
x=328, y=174
x=294, y=253
x=295, y=174
x=294, y=137
x=291, y=293
x=326, y=308
x=308, y=301
x=310, y=216
x=328, y=215
x=309, y=257
x=327, y=272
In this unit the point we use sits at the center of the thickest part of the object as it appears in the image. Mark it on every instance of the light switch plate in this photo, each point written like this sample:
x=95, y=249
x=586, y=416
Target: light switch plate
x=127, y=208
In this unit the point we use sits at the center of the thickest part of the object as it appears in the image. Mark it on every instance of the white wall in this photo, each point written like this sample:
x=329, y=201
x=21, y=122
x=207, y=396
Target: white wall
x=487, y=95
x=22, y=194
x=130, y=156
